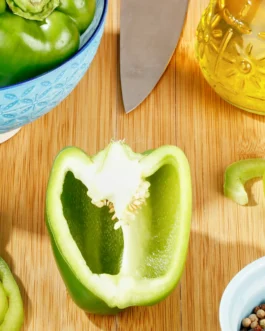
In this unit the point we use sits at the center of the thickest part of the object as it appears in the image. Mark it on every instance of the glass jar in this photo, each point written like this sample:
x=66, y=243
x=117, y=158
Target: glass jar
x=230, y=48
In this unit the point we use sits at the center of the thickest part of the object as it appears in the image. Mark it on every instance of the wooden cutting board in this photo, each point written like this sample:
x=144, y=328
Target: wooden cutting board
x=182, y=110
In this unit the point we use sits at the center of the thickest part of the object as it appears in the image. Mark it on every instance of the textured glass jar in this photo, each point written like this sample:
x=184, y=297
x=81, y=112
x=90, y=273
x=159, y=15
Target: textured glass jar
x=230, y=48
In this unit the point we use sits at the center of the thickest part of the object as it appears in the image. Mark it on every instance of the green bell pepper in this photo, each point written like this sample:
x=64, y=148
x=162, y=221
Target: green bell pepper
x=237, y=174
x=119, y=224
x=11, y=305
x=37, y=36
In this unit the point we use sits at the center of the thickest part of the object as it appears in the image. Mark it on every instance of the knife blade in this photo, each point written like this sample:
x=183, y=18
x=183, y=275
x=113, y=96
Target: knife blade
x=149, y=34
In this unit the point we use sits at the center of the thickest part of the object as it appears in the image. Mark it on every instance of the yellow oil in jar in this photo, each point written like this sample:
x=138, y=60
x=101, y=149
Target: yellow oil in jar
x=230, y=48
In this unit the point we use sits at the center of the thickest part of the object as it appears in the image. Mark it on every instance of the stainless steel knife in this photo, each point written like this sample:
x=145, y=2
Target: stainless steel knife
x=149, y=34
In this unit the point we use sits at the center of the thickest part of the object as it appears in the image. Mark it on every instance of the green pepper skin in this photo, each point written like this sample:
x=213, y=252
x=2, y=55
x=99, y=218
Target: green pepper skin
x=11, y=305
x=84, y=298
x=31, y=47
x=82, y=14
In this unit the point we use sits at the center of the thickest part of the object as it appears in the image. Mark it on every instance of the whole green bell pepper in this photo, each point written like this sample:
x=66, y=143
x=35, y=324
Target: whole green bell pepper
x=36, y=36
x=119, y=224
x=11, y=305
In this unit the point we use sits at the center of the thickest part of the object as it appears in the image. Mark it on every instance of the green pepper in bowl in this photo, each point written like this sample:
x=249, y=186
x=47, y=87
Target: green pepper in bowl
x=37, y=36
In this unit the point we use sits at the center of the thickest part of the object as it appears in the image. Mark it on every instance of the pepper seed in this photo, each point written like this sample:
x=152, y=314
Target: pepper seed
x=253, y=317
x=256, y=309
x=260, y=313
x=246, y=322
x=254, y=324
x=257, y=328
x=262, y=306
x=262, y=323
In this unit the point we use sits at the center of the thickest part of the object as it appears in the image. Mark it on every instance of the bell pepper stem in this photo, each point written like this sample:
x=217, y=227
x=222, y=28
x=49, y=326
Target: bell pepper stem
x=32, y=9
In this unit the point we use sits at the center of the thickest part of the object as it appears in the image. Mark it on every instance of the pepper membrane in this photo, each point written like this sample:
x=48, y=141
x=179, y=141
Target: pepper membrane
x=119, y=224
x=37, y=36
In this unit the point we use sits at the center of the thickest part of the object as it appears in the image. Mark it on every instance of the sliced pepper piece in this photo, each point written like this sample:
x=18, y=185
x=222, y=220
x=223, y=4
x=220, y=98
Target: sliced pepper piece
x=119, y=224
x=11, y=305
x=237, y=174
x=38, y=35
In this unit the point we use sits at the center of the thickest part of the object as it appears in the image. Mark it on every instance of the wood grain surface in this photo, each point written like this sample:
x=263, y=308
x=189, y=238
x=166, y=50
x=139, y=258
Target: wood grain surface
x=182, y=110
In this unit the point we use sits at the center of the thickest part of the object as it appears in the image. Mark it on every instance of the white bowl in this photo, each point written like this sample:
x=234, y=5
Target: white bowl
x=245, y=291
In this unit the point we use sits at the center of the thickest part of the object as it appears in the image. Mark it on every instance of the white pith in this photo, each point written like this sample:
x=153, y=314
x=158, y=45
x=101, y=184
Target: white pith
x=125, y=216
x=117, y=183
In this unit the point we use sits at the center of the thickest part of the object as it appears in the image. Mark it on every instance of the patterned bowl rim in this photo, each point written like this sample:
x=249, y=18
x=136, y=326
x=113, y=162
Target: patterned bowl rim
x=101, y=22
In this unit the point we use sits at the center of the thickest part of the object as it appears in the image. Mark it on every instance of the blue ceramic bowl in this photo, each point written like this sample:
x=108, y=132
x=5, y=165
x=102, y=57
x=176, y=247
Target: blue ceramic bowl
x=23, y=103
x=245, y=291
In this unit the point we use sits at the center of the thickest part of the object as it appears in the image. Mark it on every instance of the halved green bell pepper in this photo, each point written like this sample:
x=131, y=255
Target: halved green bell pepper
x=119, y=224
x=36, y=36
x=11, y=305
